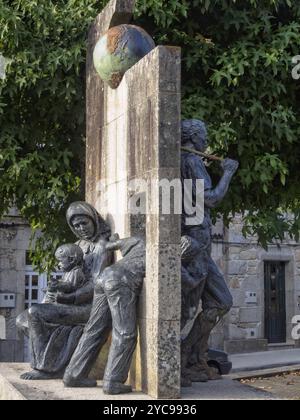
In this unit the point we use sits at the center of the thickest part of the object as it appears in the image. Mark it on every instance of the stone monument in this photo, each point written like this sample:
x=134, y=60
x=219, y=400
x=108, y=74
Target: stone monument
x=164, y=268
x=133, y=143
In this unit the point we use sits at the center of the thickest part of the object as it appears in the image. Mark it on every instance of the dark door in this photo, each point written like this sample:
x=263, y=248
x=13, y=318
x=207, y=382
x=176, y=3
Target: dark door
x=275, y=303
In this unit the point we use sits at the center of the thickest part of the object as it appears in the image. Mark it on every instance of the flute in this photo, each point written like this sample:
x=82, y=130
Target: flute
x=205, y=155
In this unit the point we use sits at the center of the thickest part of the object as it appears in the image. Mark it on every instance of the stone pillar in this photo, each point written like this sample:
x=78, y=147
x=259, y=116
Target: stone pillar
x=133, y=133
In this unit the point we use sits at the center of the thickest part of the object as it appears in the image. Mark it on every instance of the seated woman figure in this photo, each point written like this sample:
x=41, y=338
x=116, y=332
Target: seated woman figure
x=54, y=329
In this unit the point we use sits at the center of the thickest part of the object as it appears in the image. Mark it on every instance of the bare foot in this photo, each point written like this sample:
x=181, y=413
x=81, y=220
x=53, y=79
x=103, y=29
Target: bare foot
x=36, y=375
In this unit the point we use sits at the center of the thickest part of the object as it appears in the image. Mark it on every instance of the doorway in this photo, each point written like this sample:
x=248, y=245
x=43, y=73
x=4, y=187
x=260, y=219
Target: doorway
x=275, y=302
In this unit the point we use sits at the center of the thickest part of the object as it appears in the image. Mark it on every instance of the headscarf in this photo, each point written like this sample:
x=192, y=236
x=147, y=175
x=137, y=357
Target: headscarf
x=81, y=208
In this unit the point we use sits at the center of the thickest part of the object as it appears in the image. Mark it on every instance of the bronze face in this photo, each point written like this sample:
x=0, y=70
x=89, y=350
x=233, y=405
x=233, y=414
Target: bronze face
x=84, y=227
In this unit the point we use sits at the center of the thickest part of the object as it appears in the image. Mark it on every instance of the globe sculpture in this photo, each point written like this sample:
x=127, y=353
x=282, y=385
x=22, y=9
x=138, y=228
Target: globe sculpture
x=119, y=49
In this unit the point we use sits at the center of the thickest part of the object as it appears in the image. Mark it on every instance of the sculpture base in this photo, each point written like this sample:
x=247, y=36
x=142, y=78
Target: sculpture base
x=12, y=388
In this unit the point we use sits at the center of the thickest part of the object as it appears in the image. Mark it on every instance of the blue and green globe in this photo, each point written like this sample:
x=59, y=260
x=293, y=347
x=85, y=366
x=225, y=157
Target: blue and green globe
x=119, y=49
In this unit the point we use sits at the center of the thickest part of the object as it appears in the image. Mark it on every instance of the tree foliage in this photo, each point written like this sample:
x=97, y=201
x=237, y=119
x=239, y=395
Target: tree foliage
x=237, y=76
x=237, y=64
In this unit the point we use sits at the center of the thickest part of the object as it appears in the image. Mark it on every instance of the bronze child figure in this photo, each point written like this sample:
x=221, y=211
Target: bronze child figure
x=71, y=262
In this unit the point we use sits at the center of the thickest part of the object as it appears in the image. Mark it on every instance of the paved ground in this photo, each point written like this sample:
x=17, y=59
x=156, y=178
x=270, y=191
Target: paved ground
x=285, y=387
x=265, y=360
x=226, y=389
x=280, y=383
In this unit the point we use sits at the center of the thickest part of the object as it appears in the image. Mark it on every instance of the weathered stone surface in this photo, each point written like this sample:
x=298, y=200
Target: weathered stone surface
x=237, y=333
x=237, y=267
x=234, y=315
x=2, y=328
x=245, y=346
x=8, y=392
x=235, y=282
x=14, y=241
x=14, y=388
x=154, y=361
x=162, y=294
x=297, y=255
x=134, y=132
x=249, y=315
x=11, y=349
x=115, y=13
x=248, y=255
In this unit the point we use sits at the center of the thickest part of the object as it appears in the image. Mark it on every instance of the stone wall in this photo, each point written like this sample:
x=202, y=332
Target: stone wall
x=14, y=242
x=242, y=261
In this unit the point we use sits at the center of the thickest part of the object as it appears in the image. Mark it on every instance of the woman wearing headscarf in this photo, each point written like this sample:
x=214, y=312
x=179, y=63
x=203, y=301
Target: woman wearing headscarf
x=55, y=328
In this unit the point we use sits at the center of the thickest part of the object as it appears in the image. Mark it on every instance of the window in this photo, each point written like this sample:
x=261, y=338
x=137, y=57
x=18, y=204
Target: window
x=28, y=258
x=35, y=285
x=35, y=288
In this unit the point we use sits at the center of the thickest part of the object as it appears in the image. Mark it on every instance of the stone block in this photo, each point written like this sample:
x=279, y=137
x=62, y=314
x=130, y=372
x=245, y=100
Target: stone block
x=2, y=328
x=249, y=315
x=11, y=351
x=234, y=250
x=252, y=270
x=238, y=297
x=234, y=315
x=235, y=282
x=250, y=282
x=163, y=280
x=245, y=346
x=248, y=255
x=237, y=268
x=237, y=333
x=151, y=362
x=297, y=255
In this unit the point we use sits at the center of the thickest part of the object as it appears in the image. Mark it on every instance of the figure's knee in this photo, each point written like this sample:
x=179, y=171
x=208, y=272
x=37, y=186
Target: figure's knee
x=213, y=315
x=128, y=335
x=226, y=304
x=220, y=311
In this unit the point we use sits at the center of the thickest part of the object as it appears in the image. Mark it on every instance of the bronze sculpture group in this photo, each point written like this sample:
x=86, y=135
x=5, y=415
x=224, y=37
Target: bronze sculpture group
x=97, y=296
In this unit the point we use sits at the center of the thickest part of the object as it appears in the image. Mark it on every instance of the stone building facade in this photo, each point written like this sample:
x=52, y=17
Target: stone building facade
x=14, y=242
x=265, y=286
